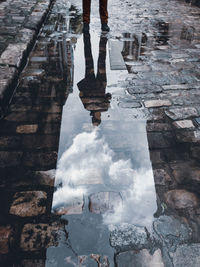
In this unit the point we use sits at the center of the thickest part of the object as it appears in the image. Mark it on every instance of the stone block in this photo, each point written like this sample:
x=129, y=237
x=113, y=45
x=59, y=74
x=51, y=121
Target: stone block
x=186, y=255
x=161, y=177
x=45, y=177
x=28, y=203
x=37, y=237
x=40, y=160
x=104, y=202
x=33, y=263
x=140, y=258
x=128, y=235
x=5, y=234
x=10, y=159
x=181, y=113
x=14, y=54
x=27, y=129
x=181, y=199
x=7, y=75
x=184, y=124
x=73, y=206
x=171, y=232
x=157, y=103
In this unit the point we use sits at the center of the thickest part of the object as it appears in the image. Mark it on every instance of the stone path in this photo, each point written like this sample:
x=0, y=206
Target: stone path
x=161, y=48
x=20, y=22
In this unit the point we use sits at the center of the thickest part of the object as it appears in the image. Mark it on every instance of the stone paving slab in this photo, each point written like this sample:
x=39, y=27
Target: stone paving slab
x=20, y=21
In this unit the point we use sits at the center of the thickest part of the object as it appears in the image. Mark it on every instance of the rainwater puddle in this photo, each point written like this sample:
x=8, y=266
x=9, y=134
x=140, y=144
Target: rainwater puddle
x=104, y=174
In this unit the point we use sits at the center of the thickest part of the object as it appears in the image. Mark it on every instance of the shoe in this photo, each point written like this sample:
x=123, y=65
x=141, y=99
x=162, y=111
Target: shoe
x=86, y=28
x=104, y=27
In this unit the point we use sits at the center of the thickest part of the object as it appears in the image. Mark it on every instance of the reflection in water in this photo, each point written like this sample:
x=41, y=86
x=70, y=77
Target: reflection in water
x=133, y=46
x=162, y=35
x=92, y=89
x=187, y=33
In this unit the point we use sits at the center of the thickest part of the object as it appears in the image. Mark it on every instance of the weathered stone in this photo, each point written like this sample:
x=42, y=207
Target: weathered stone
x=184, y=124
x=28, y=203
x=161, y=177
x=88, y=260
x=37, y=237
x=10, y=159
x=157, y=103
x=104, y=202
x=139, y=259
x=171, y=231
x=6, y=77
x=73, y=206
x=5, y=234
x=186, y=173
x=27, y=129
x=196, y=152
x=181, y=199
x=126, y=235
x=130, y=104
x=181, y=113
x=33, y=263
x=158, y=127
x=186, y=255
x=188, y=136
x=13, y=54
x=40, y=160
x=45, y=177
x=177, y=87
x=26, y=36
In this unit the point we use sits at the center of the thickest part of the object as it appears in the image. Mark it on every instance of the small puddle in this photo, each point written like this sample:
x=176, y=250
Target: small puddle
x=104, y=174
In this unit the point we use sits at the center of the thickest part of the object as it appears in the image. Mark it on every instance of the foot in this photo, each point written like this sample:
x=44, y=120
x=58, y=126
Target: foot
x=104, y=27
x=86, y=28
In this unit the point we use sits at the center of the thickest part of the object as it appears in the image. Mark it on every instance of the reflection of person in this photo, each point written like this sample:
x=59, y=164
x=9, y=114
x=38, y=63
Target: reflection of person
x=92, y=89
x=103, y=15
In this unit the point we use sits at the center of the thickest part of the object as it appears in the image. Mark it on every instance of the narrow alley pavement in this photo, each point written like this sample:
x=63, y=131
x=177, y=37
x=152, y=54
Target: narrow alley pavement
x=100, y=135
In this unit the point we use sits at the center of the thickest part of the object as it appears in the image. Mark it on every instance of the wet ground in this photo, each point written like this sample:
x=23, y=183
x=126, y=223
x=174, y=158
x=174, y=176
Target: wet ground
x=100, y=146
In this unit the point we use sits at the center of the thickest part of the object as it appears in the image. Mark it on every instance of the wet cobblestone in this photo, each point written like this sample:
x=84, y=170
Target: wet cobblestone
x=161, y=47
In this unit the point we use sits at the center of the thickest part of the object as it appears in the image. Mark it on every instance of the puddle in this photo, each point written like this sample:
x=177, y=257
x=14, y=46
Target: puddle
x=104, y=175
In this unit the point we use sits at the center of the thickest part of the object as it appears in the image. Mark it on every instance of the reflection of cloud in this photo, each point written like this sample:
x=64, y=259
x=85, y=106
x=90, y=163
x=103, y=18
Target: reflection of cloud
x=89, y=160
x=139, y=201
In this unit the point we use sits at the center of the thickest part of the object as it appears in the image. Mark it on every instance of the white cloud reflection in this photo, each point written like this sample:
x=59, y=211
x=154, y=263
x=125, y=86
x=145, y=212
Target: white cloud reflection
x=89, y=160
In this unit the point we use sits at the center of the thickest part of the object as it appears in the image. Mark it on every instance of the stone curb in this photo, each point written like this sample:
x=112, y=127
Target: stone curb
x=14, y=57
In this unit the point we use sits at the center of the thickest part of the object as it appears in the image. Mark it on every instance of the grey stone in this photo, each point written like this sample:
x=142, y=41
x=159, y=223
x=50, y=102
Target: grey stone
x=28, y=203
x=6, y=77
x=186, y=255
x=13, y=54
x=184, y=124
x=140, y=258
x=161, y=177
x=157, y=103
x=104, y=202
x=181, y=113
x=127, y=235
x=171, y=232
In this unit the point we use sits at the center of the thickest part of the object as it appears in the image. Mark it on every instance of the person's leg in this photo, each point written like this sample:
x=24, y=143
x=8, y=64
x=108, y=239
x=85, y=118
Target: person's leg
x=86, y=11
x=103, y=11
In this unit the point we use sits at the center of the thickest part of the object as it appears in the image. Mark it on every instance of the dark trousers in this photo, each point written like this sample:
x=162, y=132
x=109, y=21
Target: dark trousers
x=102, y=11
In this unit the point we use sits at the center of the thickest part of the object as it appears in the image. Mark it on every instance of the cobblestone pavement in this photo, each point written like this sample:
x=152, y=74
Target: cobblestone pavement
x=20, y=22
x=160, y=44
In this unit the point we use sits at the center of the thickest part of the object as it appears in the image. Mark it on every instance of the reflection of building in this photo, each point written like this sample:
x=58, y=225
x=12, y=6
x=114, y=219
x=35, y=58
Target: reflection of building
x=29, y=156
x=133, y=46
x=92, y=89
